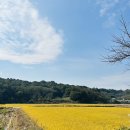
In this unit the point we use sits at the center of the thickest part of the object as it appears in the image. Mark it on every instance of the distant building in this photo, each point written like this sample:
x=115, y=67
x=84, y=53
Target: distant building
x=122, y=101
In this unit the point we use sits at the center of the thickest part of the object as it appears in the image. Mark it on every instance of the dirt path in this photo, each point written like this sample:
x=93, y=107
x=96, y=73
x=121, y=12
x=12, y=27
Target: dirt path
x=16, y=119
x=9, y=124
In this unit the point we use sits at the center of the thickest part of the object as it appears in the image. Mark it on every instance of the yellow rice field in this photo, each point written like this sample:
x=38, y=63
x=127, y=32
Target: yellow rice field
x=78, y=117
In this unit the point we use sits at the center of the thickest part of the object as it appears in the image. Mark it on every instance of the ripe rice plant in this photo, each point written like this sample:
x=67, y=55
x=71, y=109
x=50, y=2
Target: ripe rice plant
x=59, y=117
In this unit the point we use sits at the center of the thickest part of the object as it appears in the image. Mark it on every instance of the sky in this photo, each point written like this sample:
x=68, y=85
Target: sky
x=62, y=41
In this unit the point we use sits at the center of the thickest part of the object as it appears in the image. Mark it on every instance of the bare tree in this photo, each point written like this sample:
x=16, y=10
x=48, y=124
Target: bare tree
x=121, y=50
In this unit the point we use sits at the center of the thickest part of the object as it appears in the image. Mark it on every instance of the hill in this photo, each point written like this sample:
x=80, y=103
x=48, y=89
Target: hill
x=19, y=91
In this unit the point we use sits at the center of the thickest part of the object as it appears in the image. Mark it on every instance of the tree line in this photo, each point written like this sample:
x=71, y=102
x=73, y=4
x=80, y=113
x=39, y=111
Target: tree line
x=19, y=91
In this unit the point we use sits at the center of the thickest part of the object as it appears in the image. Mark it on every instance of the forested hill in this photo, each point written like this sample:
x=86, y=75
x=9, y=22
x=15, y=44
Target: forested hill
x=19, y=91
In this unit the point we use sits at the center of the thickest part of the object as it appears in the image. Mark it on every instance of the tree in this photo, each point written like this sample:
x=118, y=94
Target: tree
x=121, y=50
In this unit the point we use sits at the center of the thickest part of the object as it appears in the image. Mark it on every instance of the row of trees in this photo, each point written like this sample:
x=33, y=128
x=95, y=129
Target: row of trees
x=18, y=91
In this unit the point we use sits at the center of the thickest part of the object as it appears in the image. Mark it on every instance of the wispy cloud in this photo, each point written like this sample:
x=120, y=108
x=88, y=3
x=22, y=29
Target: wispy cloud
x=111, y=20
x=1, y=74
x=25, y=37
x=106, y=5
x=117, y=81
x=108, y=10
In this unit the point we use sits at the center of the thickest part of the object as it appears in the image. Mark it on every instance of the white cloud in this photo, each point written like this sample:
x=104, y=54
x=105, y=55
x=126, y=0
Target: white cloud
x=110, y=20
x=119, y=81
x=1, y=74
x=108, y=9
x=106, y=5
x=25, y=37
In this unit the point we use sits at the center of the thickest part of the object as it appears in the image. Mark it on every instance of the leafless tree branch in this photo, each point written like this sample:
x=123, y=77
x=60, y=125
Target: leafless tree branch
x=121, y=51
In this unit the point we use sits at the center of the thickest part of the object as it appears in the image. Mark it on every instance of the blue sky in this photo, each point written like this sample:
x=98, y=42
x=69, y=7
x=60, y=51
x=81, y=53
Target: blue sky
x=62, y=40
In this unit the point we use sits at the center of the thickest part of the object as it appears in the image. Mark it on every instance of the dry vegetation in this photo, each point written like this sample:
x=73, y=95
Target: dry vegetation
x=5, y=115
x=15, y=119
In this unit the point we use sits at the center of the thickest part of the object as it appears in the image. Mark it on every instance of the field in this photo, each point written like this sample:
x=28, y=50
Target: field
x=78, y=117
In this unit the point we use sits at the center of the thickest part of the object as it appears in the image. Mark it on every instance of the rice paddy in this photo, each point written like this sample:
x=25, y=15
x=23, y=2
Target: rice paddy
x=78, y=117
